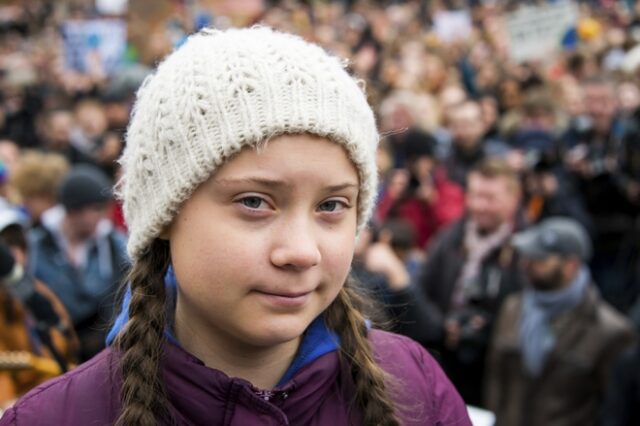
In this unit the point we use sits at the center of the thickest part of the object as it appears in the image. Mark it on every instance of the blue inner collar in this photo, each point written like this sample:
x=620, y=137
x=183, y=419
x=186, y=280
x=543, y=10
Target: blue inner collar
x=317, y=340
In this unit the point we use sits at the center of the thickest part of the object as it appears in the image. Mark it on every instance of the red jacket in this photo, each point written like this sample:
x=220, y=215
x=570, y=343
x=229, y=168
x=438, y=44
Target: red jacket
x=426, y=218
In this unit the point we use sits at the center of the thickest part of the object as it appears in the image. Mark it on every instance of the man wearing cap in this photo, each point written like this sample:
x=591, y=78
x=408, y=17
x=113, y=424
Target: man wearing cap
x=555, y=341
x=80, y=255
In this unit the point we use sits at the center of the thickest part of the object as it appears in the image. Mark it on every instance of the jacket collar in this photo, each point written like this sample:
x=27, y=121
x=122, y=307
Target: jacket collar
x=196, y=391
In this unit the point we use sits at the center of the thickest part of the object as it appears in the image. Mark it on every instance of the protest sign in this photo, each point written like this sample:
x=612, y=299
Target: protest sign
x=112, y=7
x=452, y=25
x=102, y=40
x=535, y=32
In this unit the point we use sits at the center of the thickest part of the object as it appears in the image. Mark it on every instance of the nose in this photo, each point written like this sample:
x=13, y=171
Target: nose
x=296, y=247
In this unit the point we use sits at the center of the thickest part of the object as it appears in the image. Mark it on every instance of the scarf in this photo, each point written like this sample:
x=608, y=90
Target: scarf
x=478, y=247
x=539, y=308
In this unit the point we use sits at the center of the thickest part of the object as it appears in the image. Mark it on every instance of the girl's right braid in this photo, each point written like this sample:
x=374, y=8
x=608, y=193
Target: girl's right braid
x=140, y=342
x=345, y=317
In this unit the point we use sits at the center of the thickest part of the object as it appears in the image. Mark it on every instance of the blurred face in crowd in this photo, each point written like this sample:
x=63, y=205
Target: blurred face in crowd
x=488, y=76
x=600, y=104
x=421, y=167
x=435, y=72
x=466, y=125
x=491, y=201
x=538, y=119
x=117, y=114
x=59, y=128
x=451, y=95
x=400, y=118
x=628, y=97
x=510, y=94
x=551, y=272
x=92, y=118
x=81, y=223
x=573, y=99
x=489, y=107
x=397, y=183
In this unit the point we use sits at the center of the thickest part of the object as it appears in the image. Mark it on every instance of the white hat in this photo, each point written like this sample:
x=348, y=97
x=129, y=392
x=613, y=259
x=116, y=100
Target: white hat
x=224, y=90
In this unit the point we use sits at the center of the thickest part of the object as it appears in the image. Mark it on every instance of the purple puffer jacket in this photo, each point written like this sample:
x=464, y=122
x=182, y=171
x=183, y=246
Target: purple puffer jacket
x=198, y=395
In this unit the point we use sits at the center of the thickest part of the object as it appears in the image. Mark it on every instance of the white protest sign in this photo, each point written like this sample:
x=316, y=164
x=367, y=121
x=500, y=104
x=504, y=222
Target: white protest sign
x=105, y=39
x=112, y=7
x=451, y=26
x=535, y=32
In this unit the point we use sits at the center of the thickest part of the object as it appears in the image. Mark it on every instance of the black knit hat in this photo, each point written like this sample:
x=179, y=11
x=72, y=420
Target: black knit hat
x=418, y=144
x=83, y=186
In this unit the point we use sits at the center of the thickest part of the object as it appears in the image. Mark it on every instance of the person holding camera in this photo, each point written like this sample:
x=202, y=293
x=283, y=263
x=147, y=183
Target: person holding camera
x=596, y=158
x=555, y=342
x=470, y=268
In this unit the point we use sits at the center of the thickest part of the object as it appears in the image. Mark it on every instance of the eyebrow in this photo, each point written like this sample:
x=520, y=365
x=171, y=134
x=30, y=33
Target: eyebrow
x=276, y=183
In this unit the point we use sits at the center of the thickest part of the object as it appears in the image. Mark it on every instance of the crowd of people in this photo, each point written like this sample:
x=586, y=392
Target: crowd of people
x=506, y=235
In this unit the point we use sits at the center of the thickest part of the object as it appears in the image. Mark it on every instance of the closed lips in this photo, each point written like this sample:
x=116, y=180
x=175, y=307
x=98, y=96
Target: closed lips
x=279, y=294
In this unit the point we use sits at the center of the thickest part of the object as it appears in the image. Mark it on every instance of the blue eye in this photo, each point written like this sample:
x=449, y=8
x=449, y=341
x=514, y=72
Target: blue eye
x=332, y=206
x=252, y=202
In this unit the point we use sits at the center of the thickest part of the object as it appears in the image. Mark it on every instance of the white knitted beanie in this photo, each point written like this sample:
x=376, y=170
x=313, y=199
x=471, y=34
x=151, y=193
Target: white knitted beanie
x=224, y=90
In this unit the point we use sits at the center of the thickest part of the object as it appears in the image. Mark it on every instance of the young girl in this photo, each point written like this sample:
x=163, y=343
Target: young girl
x=248, y=171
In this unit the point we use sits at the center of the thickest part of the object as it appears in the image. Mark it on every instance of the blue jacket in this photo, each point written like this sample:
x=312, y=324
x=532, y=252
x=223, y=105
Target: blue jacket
x=85, y=292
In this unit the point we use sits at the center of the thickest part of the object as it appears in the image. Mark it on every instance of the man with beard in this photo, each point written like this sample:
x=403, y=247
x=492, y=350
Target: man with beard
x=469, y=270
x=554, y=342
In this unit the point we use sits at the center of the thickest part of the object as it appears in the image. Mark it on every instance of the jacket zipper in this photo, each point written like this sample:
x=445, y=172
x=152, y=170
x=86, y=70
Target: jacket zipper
x=269, y=395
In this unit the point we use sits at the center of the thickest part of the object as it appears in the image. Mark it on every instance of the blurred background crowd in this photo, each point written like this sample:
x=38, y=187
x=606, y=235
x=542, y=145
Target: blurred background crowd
x=497, y=118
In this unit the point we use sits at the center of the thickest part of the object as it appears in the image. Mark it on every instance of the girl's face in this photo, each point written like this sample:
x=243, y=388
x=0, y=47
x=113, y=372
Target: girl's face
x=263, y=247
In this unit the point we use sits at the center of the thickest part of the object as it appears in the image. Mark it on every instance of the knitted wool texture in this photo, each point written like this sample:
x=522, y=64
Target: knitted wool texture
x=225, y=90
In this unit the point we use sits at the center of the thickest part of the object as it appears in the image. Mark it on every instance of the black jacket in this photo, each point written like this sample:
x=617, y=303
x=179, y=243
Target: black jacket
x=500, y=275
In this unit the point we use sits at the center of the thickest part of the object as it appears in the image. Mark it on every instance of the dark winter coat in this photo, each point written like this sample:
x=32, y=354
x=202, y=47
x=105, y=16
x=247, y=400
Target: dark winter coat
x=571, y=388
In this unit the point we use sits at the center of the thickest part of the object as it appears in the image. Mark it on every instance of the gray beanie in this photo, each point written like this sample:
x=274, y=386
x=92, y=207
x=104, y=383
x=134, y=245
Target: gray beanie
x=225, y=90
x=83, y=186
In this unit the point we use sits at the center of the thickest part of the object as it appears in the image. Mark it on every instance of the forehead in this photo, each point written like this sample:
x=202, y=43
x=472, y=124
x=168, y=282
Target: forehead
x=548, y=260
x=296, y=157
x=479, y=182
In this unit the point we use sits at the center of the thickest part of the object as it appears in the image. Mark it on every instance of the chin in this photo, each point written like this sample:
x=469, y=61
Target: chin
x=271, y=333
x=485, y=227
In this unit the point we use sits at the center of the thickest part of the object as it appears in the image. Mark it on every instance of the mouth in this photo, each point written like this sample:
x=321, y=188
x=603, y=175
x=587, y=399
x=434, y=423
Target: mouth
x=284, y=299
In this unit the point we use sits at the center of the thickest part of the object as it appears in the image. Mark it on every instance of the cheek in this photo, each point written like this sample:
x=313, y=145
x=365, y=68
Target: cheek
x=479, y=204
x=203, y=251
x=336, y=258
x=505, y=205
